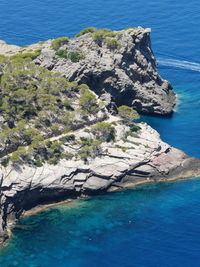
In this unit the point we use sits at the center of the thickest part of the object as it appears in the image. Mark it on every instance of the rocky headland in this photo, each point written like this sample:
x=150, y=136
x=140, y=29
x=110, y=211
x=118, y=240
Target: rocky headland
x=58, y=137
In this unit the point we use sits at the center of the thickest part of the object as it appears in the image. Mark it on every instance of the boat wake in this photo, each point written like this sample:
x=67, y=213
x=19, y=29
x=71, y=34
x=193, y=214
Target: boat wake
x=182, y=64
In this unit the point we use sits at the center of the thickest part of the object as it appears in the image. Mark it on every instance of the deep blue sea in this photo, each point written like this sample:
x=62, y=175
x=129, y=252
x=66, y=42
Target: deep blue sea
x=150, y=226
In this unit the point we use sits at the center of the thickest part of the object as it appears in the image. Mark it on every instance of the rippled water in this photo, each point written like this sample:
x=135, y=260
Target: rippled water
x=155, y=225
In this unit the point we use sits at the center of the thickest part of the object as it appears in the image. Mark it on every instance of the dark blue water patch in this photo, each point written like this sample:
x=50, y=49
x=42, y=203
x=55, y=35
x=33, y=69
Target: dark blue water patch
x=152, y=225
x=175, y=24
x=182, y=130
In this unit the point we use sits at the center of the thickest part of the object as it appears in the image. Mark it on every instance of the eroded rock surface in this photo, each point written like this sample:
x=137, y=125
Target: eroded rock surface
x=125, y=162
x=127, y=75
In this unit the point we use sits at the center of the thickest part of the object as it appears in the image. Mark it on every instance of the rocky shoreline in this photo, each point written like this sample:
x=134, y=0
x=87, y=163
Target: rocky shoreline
x=137, y=160
x=120, y=69
x=191, y=173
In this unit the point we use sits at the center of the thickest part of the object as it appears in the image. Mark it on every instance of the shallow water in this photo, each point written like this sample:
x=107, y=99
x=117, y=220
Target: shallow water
x=154, y=225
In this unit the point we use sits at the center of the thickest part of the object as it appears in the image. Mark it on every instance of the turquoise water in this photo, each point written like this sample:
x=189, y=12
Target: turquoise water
x=155, y=225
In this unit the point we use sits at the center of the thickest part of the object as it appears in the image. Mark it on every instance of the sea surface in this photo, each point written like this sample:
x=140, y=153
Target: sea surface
x=150, y=226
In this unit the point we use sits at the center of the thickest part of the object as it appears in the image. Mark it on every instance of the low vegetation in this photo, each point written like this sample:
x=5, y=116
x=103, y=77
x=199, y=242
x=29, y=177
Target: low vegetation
x=30, y=55
x=57, y=43
x=99, y=36
x=74, y=56
x=112, y=43
x=104, y=131
x=86, y=30
x=128, y=114
x=36, y=104
x=88, y=102
x=62, y=53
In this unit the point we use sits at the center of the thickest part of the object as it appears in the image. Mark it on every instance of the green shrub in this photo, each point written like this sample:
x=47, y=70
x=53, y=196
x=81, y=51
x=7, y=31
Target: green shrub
x=38, y=163
x=57, y=43
x=83, y=86
x=88, y=102
x=100, y=35
x=68, y=155
x=53, y=161
x=61, y=53
x=75, y=56
x=27, y=55
x=123, y=148
x=136, y=143
x=128, y=114
x=17, y=155
x=67, y=103
x=83, y=155
x=112, y=43
x=86, y=30
x=5, y=162
x=104, y=131
x=68, y=138
x=90, y=148
x=135, y=128
x=130, y=133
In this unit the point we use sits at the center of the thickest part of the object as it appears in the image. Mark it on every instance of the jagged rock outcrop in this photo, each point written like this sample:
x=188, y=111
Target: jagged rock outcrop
x=138, y=159
x=124, y=75
x=127, y=75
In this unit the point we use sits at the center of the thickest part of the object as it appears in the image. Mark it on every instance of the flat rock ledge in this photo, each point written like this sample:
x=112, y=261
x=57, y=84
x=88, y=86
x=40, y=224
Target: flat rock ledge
x=142, y=160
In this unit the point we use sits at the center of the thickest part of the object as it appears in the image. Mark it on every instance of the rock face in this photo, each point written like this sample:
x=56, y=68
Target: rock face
x=124, y=75
x=127, y=75
x=140, y=158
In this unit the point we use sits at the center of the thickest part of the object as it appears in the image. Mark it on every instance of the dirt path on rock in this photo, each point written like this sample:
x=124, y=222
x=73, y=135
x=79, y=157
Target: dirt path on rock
x=111, y=119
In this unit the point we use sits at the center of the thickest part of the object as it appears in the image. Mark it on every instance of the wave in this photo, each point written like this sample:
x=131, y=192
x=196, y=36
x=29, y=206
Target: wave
x=182, y=64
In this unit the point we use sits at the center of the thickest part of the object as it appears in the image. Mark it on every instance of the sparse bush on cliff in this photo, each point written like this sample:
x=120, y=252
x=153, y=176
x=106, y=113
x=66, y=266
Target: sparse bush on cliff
x=5, y=161
x=128, y=114
x=86, y=30
x=88, y=102
x=18, y=155
x=75, y=56
x=36, y=103
x=38, y=163
x=123, y=148
x=62, y=53
x=100, y=35
x=104, y=131
x=57, y=43
x=134, y=127
x=83, y=86
x=27, y=55
x=67, y=155
x=90, y=148
x=112, y=43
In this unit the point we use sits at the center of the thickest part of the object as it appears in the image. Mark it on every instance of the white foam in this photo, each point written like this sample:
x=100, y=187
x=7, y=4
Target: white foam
x=182, y=64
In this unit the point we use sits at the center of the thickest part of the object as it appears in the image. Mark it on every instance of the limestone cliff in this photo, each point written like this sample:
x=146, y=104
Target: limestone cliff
x=125, y=75
x=121, y=70
x=138, y=158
